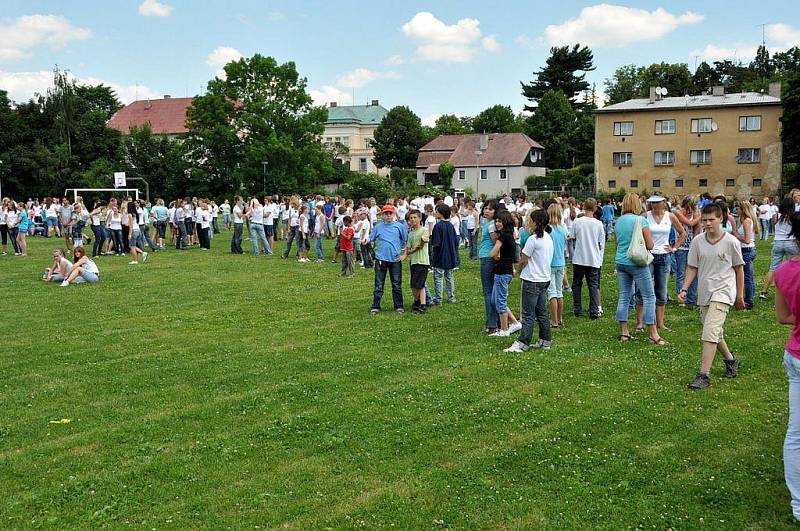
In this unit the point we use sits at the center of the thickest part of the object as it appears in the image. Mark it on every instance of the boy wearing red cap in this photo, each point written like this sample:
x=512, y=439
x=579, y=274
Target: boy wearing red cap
x=389, y=238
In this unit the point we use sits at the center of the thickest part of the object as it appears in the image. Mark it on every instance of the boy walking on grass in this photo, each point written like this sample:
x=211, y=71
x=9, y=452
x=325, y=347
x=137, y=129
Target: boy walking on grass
x=444, y=255
x=715, y=258
x=417, y=252
x=346, y=248
x=389, y=237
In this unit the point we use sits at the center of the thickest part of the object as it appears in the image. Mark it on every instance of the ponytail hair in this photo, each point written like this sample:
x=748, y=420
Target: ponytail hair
x=540, y=222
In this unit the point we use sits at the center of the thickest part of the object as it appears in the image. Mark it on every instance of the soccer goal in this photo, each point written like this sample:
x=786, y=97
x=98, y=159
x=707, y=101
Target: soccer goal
x=80, y=191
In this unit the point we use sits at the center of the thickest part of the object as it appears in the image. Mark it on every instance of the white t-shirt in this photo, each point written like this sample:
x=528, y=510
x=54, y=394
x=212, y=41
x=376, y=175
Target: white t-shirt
x=590, y=241
x=52, y=211
x=302, y=223
x=90, y=267
x=773, y=210
x=430, y=221
x=373, y=214
x=170, y=213
x=540, y=254
x=455, y=221
x=294, y=217
x=204, y=217
x=215, y=211
x=401, y=210
x=257, y=215
x=783, y=230
x=366, y=227
x=319, y=226
x=237, y=210
x=268, y=214
x=226, y=208
x=115, y=221
x=339, y=224
x=764, y=211
x=448, y=200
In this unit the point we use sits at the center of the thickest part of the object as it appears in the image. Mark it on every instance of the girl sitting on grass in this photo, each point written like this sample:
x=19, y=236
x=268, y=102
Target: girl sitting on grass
x=61, y=267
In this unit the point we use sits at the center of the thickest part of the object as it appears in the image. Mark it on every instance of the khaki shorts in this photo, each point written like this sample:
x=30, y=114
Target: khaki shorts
x=713, y=317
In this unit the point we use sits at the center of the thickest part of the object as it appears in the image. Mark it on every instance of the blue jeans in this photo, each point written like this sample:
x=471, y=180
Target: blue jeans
x=500, y=293
x=99, y=239
x=791, y=444
x=473, y=248
x=659, y=269
x=534, y=309
x=292, y=234
x=12, y=233
x=627, y=277
x=608, y=226
x=146, y=232
x=447, y=275
x=395, y=270
x=681, y=257
x=318, y=247
x=487, y=281
x=765, y=223
x=257, y=235
x=749, y=256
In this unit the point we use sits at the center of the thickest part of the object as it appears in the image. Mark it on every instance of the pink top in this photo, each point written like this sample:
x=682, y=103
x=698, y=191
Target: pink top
x=787, y=279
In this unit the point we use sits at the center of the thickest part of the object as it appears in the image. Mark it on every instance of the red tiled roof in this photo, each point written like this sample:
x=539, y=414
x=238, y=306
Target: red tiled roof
x=504, y=149
x=166, y=116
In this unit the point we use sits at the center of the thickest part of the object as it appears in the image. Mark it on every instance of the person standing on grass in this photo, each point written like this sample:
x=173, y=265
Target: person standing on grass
x=319, y=232
x=419, y=259
x=746, y=234
x=608, y=217
x=255, y=213
x=787, y=311
x=83, y=270
x=160, y=213
x=630, y=274
x=204, y=215
x=784, y=245
x=660, y=222
x=367, y=251
x=269, y=221
x=590, y=237
x=716, y=260
x=487, y=239
x=346, y=248
x=225, y=207
x=136, y=243
x=503, y=253
x=689, y=218
x=535, y=260
x=389, y=237
x=294, y=222
x=764, y=216
x=238, y=226
x=555, y=294
x=444, y=255
x=302, y=233
x=65, y=219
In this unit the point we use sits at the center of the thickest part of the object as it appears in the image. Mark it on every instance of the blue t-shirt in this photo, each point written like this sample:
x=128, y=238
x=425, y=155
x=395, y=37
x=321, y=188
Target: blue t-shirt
x=608, y=213
x=390, y=240
x=624, y=230
x=524, y=234
x=160, y=212
x=486, y=244
x=559, y=237
x=22, y=224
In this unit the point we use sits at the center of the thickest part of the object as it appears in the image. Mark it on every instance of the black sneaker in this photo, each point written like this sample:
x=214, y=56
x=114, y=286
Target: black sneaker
x=732, y=367
x=701, y=381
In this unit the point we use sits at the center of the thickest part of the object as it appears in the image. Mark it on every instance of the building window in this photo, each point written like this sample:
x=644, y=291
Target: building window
x=634, y=183
x=678, y=183
x=367, y=143
x=701, y=125
x=503, y=174
x=703, y=183
x=362, y=164
x=623, y=128
x=665, y=127
x=700, y=156
x=664, y=158
x=730, y=183
x=656, y=183
x=750, y=123
x=612, y=183
x=462, y=175
x=756, y=182
x=484, y=175
x=749, y=156
x=624, y=158
x=346, y=141
x=459, y=192
x=329, y=139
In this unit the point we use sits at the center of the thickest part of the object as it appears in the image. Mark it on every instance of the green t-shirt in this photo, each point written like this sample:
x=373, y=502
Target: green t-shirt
x=420, y=257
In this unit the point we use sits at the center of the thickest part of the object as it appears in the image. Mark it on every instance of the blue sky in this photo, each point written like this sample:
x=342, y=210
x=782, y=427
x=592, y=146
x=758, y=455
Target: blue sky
x=436, y=57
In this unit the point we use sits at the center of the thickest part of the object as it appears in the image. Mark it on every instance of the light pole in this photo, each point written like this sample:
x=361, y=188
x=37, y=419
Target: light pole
x=478, y=154
x=264, y=181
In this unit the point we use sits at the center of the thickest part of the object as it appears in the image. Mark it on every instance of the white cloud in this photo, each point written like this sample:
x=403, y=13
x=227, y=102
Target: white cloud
x=395, y=60
x=23, y=34
x=154, y=8
x=221, y=56
x=490, y=44
x=361, y=76
x=22, y=86
x=328, y=93
x=712, y=52
x=617, y=26
x=784, y=35
x=437, y=41
x=430, y=120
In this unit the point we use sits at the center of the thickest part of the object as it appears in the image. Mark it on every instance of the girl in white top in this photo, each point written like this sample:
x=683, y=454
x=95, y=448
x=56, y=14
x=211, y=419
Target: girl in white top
x=660, y=222
x=83, y=270
x=785, y=245
x=3, y=225
x=302, y=233
x=61, y=267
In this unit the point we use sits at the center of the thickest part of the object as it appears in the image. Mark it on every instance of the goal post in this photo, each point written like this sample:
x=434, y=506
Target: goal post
x=79, y=191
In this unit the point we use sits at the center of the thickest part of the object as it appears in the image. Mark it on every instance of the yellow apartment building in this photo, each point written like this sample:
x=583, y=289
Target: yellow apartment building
x=353, y=126
x=723, y=144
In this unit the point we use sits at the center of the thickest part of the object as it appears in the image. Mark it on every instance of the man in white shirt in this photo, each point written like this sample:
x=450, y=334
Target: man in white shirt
x=238, y=226
x=589, y=239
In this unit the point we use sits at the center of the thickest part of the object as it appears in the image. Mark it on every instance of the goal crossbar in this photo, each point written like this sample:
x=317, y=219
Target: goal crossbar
x=78, y=191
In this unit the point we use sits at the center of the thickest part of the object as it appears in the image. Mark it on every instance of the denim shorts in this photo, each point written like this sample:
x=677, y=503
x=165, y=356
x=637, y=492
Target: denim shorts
x=556, y=288
x=269, y=230
x=87, y=276
x=51, y=222
x=782, y=250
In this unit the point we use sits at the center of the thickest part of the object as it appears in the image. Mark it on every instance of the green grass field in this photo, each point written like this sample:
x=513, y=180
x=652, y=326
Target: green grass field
x=214, y=391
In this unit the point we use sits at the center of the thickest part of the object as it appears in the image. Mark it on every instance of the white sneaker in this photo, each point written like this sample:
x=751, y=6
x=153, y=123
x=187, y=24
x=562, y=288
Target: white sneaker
x=133, y=262
x=144, y=257
x=517, y=347
x=500, y=333
x=516, y=327
x=64, y=284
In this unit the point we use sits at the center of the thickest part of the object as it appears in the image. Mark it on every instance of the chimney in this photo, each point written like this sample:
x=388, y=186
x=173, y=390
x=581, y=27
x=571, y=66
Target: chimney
x=653, y=95
x=375, y=103
x=775, y=89
x=484, y=142
x=718, y=90
x=333, y=104
x=167, y=96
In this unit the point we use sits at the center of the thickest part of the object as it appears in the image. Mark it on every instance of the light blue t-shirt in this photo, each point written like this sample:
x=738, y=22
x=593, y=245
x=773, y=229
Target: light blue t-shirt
x=160, y=212
x=486, y=240
x=623, y=228
x=608, y=213
x=559, y=237
x=390, y=240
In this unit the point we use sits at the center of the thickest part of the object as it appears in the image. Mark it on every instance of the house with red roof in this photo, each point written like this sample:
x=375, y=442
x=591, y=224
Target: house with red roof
x=492, y=164
x=166, y=116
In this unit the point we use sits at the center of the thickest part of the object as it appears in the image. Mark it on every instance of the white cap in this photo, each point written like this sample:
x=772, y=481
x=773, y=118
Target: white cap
x=655, y=199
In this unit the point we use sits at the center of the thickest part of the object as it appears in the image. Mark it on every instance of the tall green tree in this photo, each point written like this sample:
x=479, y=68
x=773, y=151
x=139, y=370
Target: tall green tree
x=762, y=66
x=624, y=85
x=553, y=125
x=675, y=77
x=397, y=139
x=790, y=120
x=449, y=124
x=704, y=77
x=561, y=72
x=495, y=119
